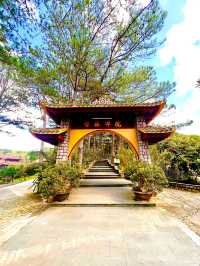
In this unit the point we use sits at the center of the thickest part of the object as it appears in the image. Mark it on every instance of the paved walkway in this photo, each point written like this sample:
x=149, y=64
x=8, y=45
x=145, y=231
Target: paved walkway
x=12, y=191
x=102, y=237
x=103, y=192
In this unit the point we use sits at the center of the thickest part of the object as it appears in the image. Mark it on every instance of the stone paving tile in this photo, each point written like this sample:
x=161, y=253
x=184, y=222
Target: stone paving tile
x=101, y=236
x=100, y=195
x=104, y=182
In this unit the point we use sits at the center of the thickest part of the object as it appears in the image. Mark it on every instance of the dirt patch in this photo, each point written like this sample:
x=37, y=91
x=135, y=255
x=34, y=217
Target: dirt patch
x=184, y=205
x=10, y=209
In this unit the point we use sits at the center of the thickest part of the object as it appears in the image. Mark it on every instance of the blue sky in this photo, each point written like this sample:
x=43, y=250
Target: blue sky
x=177, y=60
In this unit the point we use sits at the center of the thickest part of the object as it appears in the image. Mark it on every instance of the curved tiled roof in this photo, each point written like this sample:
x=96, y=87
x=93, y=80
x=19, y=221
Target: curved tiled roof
x=47, y=131
x=155, y=134
x=156, y=129
x=78, y=104
x=59, y=111
x=50, y=135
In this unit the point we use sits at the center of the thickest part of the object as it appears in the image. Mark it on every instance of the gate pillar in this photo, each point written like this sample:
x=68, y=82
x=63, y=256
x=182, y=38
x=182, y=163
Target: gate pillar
x=63, y=146
x=142, y=144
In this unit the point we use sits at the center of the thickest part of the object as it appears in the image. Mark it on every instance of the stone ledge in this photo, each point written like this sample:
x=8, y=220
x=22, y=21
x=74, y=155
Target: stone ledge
x=134, y=204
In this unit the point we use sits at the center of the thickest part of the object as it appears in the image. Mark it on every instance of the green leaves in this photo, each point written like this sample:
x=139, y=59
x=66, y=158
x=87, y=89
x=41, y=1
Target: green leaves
x=180, y=155
x=81, y=47
x=82, y=4
x=56, y=179
x=146, y=177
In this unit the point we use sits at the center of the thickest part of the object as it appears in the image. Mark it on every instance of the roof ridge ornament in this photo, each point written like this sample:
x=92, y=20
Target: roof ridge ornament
x=102, y=100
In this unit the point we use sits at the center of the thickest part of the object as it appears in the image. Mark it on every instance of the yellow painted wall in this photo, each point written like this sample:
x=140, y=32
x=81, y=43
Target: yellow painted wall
x=129, y=134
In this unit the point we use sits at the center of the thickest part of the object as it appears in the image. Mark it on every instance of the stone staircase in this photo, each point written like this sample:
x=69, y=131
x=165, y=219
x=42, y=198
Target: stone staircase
x=102, y=186
x=101, y=170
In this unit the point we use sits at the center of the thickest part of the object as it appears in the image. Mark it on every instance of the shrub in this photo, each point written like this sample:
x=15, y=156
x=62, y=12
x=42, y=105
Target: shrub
x=127, y=161
x=8, y=173
x=29, y=169
x=130, y=168
x=148, y=177
x=56, y=179
x=180, y=157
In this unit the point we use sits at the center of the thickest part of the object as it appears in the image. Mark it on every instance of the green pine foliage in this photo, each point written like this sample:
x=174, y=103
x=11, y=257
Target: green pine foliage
x=80, y=49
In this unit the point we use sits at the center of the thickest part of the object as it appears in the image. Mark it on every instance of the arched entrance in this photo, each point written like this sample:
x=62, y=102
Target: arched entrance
x=129, y=135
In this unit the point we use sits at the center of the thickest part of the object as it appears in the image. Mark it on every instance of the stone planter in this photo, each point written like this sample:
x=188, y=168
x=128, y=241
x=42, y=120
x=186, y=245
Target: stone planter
x=50, y=199
x=143, y=196
x=61, y=197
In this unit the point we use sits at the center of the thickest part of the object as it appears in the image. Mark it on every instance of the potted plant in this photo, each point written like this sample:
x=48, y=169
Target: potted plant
x=44, y=185
x=56, y=180
x=148, y=179
x=74, y=174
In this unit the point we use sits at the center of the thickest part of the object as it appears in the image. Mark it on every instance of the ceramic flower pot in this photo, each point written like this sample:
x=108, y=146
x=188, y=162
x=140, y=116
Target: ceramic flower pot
x=143, y=196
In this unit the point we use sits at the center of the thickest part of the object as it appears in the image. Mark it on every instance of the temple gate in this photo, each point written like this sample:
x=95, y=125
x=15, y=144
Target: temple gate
x=75, y=120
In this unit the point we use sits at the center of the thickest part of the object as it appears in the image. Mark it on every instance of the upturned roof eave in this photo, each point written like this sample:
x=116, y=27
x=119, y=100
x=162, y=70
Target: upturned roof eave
x=155, y=137
x=49, y=135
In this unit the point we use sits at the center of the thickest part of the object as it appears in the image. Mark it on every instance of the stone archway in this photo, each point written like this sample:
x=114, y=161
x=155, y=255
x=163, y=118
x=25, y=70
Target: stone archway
x=130, y=135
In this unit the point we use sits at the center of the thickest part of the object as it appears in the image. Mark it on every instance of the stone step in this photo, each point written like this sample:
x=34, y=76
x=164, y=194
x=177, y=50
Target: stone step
x=101, y=196
x=102, y=174
x=101, y=166
x=114, y=182
x=101, y=177
x=101, y=170
x=133, y=204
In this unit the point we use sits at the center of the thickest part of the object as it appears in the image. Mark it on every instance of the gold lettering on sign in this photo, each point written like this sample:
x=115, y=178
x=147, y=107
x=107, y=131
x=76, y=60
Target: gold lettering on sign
x=96, y=124
x=86, y=124
x=118, y=124
x=107, y=123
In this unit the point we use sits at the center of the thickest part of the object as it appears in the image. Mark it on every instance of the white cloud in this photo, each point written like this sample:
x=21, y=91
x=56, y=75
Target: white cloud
x=22, y=140
x=30, y=7
x=181, y=47
x=122, y=12
x=190, y=110
x=143, y=3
